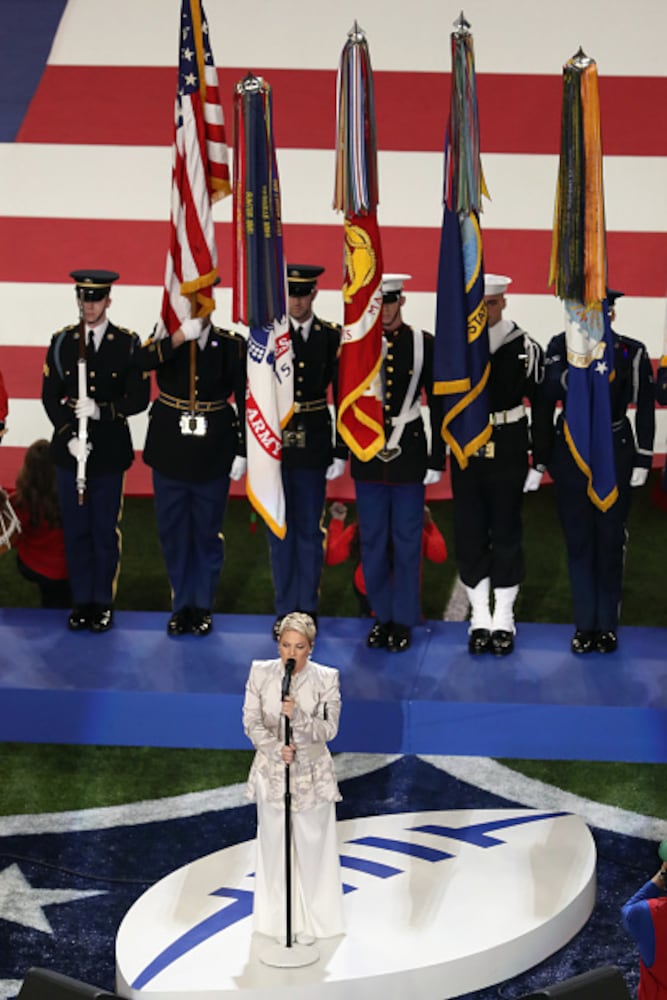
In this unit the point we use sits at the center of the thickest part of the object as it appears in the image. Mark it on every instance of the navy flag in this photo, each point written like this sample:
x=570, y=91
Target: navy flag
x=461, y=355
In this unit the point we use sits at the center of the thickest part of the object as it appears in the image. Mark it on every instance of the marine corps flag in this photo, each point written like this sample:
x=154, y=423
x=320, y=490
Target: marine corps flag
x=259, y=297
x=360, y=418
x=461, y=354
x=578, y=270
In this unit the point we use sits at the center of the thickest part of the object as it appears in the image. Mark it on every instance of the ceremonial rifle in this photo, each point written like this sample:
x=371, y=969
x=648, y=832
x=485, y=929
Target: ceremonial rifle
x=82, y=431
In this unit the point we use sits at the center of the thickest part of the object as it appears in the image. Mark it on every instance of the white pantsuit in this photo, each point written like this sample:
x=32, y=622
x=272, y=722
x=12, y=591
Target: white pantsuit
x=317, y=900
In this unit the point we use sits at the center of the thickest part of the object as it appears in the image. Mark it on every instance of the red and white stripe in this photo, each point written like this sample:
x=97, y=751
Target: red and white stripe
x=88, y=182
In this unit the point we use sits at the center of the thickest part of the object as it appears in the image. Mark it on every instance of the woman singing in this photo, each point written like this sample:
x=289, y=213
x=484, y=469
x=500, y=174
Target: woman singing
x=313, y=708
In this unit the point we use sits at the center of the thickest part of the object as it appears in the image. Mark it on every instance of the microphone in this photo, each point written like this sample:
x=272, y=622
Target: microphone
x=289, y=670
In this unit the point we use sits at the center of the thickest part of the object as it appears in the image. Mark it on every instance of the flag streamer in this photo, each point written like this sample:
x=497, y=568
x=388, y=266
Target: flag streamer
x=461, y=353
x=259, y=298
x=578, y=272
x=200, y=177
x=360, y=417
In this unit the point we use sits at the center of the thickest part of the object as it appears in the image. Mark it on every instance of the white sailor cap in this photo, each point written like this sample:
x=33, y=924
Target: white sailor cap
x=496, y=284
x=392, y=286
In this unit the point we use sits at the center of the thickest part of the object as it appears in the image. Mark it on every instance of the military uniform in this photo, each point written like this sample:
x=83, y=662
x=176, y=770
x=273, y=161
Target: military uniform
x=390, y=489
x=595, y=539
x=308, y=450
x=191, y=469
x=488, y=493
x=92, y=537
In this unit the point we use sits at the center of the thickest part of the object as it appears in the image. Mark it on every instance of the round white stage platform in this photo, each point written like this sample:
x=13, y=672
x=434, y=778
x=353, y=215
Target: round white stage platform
x=437, y=904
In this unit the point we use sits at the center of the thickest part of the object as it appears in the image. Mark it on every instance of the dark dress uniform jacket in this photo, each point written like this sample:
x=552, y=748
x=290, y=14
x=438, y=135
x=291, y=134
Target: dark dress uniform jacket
x=315, y=369
x=220, y=374
x=114, y=382
x=414, y=459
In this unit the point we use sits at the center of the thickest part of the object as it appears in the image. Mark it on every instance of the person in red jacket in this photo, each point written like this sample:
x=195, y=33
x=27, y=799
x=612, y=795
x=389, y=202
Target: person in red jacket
x=40, y=547
x=343, y=543
x=645, y=919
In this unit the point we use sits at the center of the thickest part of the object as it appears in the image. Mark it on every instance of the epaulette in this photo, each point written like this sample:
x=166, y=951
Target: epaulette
x=65, y=329
x=228, y=334
x=130, y=333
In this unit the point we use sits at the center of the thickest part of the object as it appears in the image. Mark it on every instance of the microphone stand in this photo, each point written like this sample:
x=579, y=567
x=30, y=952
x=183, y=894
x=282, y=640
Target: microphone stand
x=289, y=955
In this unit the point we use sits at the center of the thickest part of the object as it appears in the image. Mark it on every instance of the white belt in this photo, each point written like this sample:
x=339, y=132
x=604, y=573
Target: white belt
x=405, y=418
x=508, y=416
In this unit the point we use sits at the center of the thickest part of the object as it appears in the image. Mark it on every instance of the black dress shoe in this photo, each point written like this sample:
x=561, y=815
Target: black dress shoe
x=180, y=622
x=202, y=623
x=606, y=642
x=275, y=628
x=502, y=642
x=378, y=637
x=479, y=641
x=79, y=618
x=101, y=619
x=399, y=639
x=583, y=641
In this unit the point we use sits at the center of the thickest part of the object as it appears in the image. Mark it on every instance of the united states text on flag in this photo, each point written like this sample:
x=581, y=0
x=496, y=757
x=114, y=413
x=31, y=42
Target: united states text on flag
x=101, y=121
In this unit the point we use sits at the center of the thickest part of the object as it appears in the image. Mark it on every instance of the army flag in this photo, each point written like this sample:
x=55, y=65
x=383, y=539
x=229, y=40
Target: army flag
x=461, y=354
x=578, y=271
x=360, y=418
x=260, y=297
x=200, y=177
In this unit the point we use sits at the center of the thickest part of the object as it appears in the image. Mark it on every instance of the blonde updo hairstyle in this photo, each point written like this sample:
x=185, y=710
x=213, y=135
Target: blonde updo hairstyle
x=298, y=621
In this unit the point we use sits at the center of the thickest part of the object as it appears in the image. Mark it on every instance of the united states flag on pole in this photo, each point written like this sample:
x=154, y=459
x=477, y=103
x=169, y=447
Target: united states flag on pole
x=200, y=177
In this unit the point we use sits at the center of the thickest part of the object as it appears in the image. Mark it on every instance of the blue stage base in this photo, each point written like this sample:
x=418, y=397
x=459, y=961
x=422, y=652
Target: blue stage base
x=135, y=686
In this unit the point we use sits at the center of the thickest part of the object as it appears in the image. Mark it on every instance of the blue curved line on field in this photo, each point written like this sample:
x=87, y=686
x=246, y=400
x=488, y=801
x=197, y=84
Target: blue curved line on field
x=241, y=908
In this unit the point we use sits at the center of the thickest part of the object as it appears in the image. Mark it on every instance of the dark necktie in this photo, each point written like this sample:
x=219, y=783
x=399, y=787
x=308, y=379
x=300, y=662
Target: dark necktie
x=91, y=340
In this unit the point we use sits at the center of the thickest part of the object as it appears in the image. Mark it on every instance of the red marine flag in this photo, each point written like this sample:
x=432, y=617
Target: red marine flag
x=200, y=177
x=360, y=421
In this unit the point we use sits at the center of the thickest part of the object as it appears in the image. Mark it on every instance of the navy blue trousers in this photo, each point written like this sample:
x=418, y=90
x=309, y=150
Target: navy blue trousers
x=391, y=525
x=296, y=560
x=189, y=520
x=92, y=535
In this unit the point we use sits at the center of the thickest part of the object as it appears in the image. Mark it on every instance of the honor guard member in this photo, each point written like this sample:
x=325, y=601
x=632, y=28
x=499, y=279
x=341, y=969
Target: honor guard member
x=311, y=454
x=488, y=493
x=390, y=487
x=595, y=539
x=115, y=390
x=195, y=444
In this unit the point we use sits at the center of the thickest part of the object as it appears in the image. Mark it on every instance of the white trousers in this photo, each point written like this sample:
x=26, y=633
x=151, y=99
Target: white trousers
x=317, y=895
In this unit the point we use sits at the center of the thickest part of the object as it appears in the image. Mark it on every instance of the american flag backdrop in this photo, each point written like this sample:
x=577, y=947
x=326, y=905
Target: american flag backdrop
x=86, y=180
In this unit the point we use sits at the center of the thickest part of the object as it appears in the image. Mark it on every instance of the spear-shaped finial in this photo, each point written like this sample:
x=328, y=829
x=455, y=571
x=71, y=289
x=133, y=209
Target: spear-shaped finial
x=462, y=26
x=580, y=59
x=356, y=34
x=249, y=84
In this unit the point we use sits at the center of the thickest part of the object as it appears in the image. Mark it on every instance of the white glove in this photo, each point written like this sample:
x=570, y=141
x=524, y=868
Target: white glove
x=87, y=407
x=336, y=469
x=432, y=476
x=533, y=480
x=192, y=328
x=638, y=477
x=238, y=469
x=79, y=449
